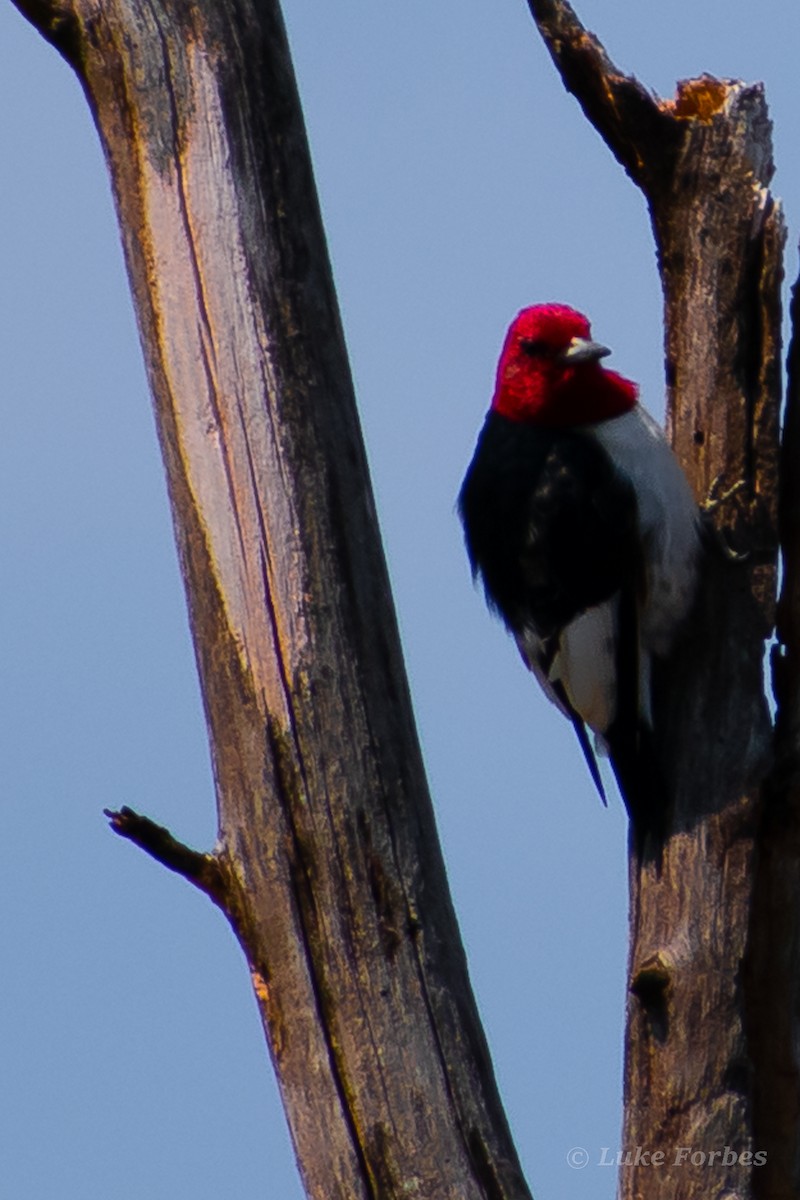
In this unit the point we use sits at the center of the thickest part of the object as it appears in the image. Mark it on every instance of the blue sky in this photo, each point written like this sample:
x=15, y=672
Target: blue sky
x=458, y=182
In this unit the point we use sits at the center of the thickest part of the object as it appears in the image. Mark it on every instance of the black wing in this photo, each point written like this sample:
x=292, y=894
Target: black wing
x=549, y=524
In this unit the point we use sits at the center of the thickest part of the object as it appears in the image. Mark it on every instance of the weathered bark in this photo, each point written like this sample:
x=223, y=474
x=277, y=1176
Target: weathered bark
x=696, y=1039
x=327, y=864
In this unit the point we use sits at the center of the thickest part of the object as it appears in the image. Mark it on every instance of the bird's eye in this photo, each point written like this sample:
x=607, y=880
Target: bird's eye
x=535, y=347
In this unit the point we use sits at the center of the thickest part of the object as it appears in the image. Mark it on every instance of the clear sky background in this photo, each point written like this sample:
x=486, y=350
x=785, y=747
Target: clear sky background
x=459, y=182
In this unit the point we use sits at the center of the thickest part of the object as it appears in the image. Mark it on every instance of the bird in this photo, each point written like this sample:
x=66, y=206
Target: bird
x=581, y=525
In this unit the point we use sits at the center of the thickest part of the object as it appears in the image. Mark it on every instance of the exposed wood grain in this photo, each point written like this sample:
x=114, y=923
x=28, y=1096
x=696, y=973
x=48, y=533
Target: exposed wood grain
x=694, y=1041
x=333, y=876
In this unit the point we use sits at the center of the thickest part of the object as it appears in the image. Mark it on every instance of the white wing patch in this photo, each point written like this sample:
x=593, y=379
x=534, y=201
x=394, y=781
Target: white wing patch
x=584, y=663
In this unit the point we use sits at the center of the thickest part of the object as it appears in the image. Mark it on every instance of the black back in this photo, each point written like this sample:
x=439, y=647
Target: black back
x=550, y=526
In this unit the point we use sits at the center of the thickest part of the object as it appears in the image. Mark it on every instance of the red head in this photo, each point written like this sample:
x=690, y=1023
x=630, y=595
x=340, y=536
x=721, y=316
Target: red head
x=549, y=372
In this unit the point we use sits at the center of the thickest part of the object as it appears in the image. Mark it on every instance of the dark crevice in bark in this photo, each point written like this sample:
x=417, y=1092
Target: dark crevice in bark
x=302, y=873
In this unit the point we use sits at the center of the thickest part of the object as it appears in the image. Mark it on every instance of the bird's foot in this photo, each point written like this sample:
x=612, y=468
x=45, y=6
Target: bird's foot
x=715, y=500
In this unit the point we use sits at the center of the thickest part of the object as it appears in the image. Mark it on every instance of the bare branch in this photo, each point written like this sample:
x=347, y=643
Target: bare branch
x=637, y=129
x=203, y=870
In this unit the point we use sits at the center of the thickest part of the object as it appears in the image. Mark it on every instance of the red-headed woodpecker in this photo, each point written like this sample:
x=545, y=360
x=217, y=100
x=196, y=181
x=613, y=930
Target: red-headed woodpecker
x=586, y=535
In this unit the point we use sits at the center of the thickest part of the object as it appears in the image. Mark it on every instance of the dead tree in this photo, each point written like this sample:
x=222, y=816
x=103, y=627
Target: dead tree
x=710, y=1061
x=327, y=864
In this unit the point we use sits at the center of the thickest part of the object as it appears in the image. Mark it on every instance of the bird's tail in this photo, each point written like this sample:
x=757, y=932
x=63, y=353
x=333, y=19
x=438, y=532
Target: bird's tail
x=641, y=784
x=589, y=755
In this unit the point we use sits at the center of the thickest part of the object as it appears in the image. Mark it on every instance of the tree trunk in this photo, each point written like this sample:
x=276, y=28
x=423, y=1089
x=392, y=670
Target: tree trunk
x=705, y=1055
x=327, y=864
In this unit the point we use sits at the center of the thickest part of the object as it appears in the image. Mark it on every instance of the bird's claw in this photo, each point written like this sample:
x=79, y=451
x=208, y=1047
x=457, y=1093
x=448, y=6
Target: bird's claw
x=716, y=537
x=713, y=501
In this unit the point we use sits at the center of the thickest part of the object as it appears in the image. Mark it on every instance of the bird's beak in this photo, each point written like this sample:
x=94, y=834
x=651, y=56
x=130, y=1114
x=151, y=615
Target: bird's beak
x=581, y=350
